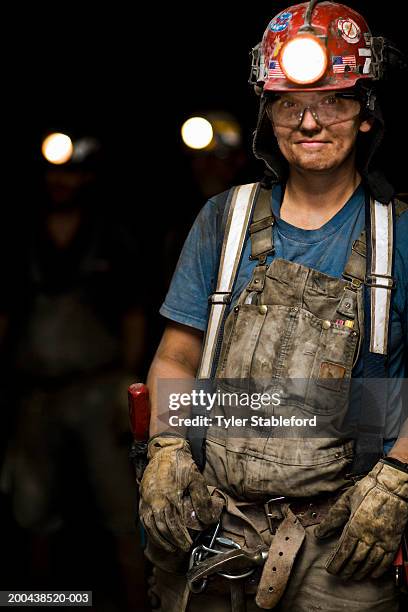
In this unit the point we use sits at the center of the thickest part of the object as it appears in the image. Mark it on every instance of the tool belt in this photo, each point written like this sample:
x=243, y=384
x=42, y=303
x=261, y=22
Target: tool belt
x=273, y=535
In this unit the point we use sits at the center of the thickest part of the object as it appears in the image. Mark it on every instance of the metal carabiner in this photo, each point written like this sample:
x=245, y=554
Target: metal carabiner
x=237, y=576
x=196, y=556
x=200, y=586
x=228, y=543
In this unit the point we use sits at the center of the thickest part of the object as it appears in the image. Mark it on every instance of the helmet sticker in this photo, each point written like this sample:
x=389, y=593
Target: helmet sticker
x=368, y=59
x=341, y=62
x=275, y=71
x=281, y=22
x=349, y=30
x=278, y=46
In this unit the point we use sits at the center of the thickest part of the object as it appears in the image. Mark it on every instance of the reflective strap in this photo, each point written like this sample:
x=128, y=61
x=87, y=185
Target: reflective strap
x=381, y=280
x=236, y=229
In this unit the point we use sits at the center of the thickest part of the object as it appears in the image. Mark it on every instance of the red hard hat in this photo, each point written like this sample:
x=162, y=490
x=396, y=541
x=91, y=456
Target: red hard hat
x=332, y=34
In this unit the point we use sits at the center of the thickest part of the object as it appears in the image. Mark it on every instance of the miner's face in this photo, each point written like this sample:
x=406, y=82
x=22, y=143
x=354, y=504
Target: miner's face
x=316, y=131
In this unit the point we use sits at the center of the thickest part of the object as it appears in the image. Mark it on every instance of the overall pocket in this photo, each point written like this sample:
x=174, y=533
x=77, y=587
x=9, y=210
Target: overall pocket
x=329, y=384
x=242, y=330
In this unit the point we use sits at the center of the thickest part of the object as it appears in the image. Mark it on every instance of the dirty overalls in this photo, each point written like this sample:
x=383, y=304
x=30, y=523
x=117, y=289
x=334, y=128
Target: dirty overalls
x=286, y=332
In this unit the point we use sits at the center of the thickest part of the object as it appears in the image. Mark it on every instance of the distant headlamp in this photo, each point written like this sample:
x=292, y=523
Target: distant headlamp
x=304, y=59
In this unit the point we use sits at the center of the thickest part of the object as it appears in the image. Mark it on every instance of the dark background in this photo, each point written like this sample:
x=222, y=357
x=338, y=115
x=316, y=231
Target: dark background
x=133, y=75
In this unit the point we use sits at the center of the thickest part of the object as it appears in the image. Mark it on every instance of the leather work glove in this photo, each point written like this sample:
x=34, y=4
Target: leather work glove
x=374, y=513
x=169, y=477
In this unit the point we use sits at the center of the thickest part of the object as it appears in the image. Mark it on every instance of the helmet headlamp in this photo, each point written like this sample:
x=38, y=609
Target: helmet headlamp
x=304, y=59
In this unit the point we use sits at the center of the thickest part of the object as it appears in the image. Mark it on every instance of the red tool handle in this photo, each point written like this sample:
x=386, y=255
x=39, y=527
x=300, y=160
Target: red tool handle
x=399, y=558
x=139, y=411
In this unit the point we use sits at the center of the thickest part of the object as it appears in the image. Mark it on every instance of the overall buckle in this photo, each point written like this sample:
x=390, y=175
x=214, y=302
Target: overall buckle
x=353, y=283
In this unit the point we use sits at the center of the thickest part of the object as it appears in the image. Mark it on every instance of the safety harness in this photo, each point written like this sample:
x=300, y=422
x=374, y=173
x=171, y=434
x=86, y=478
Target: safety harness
x=248, y=211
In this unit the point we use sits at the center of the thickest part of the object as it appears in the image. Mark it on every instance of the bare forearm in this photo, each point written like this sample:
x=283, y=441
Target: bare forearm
x=177, y=359
x=164, y=368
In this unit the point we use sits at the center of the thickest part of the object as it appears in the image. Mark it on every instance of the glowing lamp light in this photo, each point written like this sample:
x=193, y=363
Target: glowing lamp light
x=57, y=148
x=197, y=133
x=304, y=59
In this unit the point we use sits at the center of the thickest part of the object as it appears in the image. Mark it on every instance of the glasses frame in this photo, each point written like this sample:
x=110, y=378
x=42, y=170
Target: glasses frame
x=312, y=109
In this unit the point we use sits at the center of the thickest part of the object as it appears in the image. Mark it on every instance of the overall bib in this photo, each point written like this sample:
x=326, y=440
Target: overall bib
x=294, y=331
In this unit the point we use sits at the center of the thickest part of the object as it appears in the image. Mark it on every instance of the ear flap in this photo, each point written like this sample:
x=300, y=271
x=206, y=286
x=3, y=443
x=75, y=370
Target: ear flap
x=265, y=145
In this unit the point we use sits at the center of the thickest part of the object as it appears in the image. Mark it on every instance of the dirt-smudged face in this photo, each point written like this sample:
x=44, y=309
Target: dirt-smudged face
x=310, y=146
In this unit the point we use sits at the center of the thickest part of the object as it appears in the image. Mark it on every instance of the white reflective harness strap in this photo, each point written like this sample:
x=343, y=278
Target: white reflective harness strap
x=381, y=280
x=239, y=215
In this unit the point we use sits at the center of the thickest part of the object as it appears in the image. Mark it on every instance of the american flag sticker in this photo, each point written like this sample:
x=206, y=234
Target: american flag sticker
x=275, y=71
x=341, y=61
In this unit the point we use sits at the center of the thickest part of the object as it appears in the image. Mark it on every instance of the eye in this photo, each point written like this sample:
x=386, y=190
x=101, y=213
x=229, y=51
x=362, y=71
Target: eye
x=330, y=101
x=288, y=104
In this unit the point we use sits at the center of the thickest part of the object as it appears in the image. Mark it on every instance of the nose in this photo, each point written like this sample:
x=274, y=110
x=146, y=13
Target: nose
x=309, y=122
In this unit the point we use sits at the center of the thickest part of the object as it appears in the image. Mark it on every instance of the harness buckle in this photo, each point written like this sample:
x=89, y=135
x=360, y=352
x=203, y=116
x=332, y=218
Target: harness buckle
x=388, y=282
x=220, y=297
x=270, y=516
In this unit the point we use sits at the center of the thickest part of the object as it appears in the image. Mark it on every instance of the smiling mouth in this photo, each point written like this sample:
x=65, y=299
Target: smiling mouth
x=312, y=144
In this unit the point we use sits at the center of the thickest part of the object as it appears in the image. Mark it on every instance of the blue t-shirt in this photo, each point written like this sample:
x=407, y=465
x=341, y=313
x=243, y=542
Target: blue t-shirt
x=326, y=249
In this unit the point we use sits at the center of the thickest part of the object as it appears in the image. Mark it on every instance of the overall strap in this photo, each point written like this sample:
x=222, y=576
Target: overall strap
x=355, y=273
x=355, y=268
x=378, y=285
x=261, y=227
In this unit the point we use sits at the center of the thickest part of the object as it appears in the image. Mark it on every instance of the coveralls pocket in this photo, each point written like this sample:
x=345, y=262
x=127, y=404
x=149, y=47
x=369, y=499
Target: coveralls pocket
x=329, y=383
x=242, y=330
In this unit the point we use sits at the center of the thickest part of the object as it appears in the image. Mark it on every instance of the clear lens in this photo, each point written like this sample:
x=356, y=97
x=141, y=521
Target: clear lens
x=289, y=112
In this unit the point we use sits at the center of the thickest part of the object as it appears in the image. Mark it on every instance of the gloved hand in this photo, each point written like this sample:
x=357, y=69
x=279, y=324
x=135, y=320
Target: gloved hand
x=170, y=476
x=374, y=513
